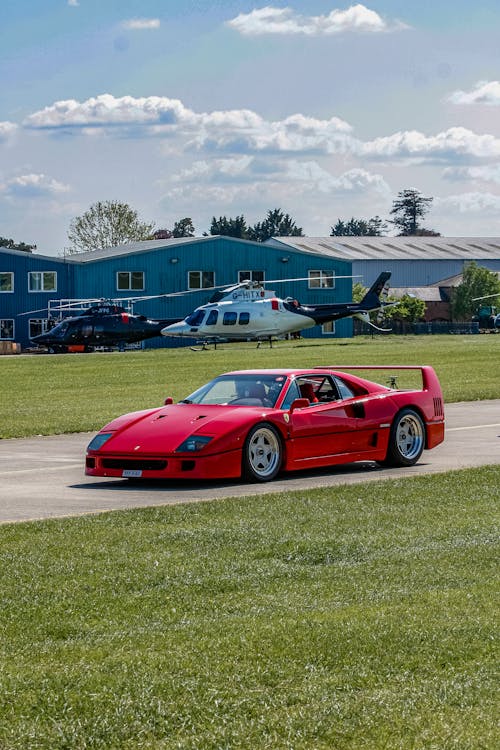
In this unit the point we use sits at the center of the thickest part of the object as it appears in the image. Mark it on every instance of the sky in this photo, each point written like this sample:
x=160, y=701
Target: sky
x=202, y=108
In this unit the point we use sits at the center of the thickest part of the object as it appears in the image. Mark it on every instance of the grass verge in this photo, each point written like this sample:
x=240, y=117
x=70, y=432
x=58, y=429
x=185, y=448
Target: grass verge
x=350, y=617
x=55, y=394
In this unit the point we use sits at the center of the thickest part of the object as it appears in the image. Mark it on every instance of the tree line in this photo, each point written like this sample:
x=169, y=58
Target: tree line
x=111, y=223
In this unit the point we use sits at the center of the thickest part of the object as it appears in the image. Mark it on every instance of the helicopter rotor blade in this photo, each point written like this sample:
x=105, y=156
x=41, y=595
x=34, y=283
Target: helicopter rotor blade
x=486, y=296
x=32, y=312
x=307, y=278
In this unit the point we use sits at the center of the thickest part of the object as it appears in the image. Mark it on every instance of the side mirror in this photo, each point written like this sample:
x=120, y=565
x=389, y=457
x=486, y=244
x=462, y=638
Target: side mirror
x=169, y=400
x=299, y=403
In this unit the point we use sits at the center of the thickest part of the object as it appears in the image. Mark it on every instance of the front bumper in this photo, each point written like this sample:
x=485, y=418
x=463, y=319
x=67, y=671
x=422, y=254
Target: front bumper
x=174, y=466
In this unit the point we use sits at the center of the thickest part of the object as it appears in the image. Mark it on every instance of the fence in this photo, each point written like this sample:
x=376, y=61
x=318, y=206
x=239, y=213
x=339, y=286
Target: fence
x=400, y=327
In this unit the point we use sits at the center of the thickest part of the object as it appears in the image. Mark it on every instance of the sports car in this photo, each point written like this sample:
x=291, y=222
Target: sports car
x=256, y=423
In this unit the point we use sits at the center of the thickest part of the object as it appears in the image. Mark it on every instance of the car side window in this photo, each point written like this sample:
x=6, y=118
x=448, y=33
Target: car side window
x=343, y=388
x=292, y=393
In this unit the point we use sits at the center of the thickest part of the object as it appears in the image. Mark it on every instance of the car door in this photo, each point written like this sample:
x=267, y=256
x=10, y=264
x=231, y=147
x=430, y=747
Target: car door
x=326, y=429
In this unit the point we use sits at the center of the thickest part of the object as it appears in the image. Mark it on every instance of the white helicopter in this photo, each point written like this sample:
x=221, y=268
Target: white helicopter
x=249, y=312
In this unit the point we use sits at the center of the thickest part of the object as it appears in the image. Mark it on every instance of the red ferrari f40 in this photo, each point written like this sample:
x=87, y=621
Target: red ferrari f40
x=257, y=423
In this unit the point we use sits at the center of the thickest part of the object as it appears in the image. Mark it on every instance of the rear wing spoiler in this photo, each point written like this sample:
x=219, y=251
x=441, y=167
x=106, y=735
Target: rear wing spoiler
x=430, y=380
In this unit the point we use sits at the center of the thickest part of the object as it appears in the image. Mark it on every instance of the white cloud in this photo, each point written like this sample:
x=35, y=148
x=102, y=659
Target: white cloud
x=450, y=145
x=33, y=186
x=7, y=129
x=107, y=110
x=295, y=174
x=488, y=173
x=229, y=131
x=485, y=92
x=73, y=3
x=243, y=132
x=141, y=24
x=470, y=203
x=356, y=181
x=285, y=21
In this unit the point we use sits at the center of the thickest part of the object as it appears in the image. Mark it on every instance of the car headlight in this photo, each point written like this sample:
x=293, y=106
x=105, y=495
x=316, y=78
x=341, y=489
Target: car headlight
x=99, y=441
x=193, y=443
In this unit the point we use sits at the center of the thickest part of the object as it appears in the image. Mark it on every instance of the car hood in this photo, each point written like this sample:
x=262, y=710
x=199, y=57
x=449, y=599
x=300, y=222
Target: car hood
x=162, y=430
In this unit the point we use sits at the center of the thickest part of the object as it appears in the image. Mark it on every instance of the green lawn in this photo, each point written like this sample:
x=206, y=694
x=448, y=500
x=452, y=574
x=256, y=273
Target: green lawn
x=359, y=617
x=72, y=393
x=356, y=617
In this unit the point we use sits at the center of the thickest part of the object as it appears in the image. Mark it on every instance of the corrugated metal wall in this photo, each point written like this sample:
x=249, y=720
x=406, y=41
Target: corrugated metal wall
x=414, y=272
x=14, y=305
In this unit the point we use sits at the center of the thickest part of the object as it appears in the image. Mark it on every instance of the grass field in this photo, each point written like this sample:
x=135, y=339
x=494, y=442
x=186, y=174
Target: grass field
x=361, y=617
x=356, y=617
x=43, y=395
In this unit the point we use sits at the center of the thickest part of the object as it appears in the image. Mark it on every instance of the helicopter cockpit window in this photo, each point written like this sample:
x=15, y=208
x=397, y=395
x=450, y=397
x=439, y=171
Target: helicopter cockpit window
x=229, y=319
x=196, y=318
x=212, y=318
x=244, y=318
x=61, y=329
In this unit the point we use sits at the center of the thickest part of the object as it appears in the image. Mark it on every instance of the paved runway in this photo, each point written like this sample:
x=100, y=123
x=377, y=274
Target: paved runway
x=43, y=477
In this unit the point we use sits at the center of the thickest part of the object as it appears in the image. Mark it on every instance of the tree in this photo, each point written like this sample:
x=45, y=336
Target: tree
x=409, y=207
x=408, y=308
x=162, y=234
x=477, y=281
x=107, y=224
x=375, y=227
x=11, y=245
x=358, y=291
x=183, y=228
x=276, y=224
x=236, y=227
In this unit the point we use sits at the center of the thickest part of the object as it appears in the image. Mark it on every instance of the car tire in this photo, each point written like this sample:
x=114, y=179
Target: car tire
x=262, y=453
x=406, y=439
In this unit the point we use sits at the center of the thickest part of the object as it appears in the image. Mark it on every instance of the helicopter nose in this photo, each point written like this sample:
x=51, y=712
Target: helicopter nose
x=177, y=329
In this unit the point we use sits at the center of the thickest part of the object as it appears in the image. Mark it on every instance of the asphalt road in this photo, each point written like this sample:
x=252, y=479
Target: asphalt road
x=43, y=477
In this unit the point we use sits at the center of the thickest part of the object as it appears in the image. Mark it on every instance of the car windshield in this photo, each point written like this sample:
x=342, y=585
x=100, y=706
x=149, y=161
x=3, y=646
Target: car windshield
x=240, y=390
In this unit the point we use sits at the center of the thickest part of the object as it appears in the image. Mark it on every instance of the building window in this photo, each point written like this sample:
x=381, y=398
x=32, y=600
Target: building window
x=37, y=326
x=321, y=279
x=6, y=329
x=6, y=281
x=130, y=281
x=201, y=279
x=257, y=276
x=328, y=328
x=42, y=281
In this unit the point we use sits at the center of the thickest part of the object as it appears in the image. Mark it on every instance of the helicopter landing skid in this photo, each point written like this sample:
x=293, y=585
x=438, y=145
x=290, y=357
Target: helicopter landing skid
x=203, y=346
x=261, y=341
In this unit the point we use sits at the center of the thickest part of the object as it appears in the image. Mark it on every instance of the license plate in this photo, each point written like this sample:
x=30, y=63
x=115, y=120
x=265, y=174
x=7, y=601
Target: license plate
x=132, y=473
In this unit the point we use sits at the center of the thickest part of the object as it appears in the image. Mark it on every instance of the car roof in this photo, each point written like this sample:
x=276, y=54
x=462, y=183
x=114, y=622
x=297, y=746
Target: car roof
x=282, y=371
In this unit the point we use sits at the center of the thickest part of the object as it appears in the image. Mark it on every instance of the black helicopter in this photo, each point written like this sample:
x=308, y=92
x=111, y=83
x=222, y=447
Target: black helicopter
x=101, y=325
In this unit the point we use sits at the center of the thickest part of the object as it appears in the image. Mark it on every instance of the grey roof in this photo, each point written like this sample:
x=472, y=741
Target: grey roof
x=427, y=293
x=396, y=248
x=135, y=247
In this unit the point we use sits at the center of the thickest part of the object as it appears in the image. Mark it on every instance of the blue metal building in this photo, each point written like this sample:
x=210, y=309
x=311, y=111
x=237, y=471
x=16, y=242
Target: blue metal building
x=28, y=281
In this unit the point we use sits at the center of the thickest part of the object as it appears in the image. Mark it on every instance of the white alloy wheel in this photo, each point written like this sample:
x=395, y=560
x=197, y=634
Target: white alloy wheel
x=262, y=453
